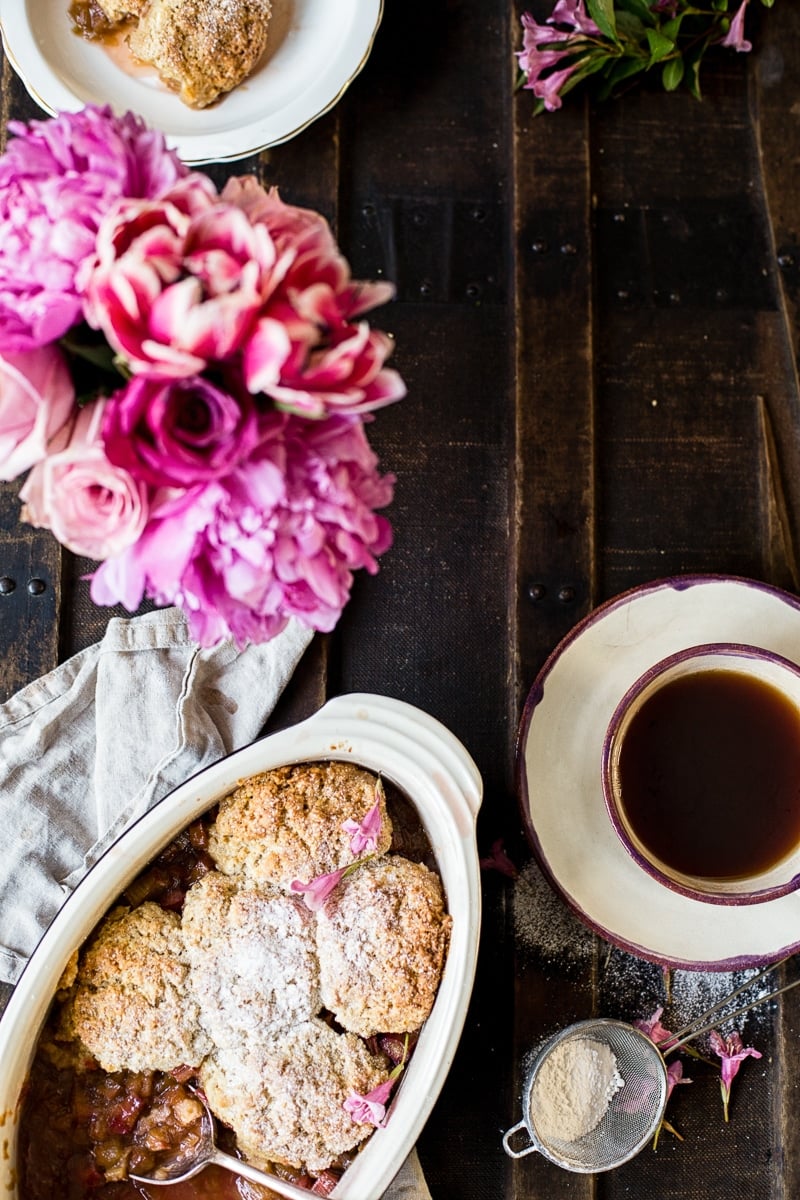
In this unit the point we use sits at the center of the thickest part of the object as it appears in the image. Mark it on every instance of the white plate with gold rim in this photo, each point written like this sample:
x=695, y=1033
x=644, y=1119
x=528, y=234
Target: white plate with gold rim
x=315, y=50
x=559, y=770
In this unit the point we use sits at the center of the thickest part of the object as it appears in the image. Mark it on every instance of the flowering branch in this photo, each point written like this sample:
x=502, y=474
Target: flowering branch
x=618, y=41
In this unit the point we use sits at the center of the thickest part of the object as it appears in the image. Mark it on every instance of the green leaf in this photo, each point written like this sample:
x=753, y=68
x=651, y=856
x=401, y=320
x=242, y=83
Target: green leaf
x=624, y=68
x=671, y=29
x=672, y=74
x=660, y=46
x=641, y=9
x=692, y=73
x=630, y=28
x=604, y=17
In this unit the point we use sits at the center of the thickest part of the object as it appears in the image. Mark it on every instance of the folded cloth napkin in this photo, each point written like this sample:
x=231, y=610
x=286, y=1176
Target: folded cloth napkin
x=91, y=746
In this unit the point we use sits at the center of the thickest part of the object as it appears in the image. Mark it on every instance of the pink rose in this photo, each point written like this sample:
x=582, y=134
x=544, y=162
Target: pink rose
x=177, y=432
x=92, y=507
x=178, y=283
x=36, y=399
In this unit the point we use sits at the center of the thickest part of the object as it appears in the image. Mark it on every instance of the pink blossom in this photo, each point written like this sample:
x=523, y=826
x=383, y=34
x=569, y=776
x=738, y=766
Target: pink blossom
x=177, y=283
x=652, y=1028
x=371, y=1108
x=333, y=364
x=57, y=179
x=545, y=46
x=735, y=38
x=178, y=432
x=733, y=1053
x=278, y=537
x=549, y=88
x=91, y=506
x=317, y=890
x=36, y=400
x=366, y=833
x=572, y=12
x=675, y=1076
x=498, y=860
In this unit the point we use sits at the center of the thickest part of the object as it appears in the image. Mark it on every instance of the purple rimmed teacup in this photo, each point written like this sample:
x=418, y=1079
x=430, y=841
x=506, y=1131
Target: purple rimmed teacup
x=701, y=773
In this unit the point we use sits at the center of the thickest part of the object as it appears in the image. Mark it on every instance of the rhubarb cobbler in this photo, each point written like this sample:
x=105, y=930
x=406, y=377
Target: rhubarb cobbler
x=279, y=957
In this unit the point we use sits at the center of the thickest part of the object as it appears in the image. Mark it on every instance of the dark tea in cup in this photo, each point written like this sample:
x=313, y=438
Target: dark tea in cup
x=701, y=773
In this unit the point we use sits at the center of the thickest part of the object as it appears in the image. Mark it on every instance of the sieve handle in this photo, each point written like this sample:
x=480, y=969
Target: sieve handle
x=532, y=1149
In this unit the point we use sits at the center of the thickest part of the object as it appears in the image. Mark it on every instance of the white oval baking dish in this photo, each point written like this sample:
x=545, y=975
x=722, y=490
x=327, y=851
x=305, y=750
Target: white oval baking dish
x=409, y=748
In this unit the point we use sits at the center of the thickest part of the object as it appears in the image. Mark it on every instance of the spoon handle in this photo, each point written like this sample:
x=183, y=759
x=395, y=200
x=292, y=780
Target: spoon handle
x=281, y=1187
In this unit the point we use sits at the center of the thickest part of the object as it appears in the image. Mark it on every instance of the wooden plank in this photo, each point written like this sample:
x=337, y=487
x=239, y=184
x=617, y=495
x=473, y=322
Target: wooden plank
x=30, y=592
x=553, y=521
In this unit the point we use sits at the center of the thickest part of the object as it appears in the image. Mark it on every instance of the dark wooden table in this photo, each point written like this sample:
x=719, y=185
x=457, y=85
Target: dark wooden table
x=597, y=319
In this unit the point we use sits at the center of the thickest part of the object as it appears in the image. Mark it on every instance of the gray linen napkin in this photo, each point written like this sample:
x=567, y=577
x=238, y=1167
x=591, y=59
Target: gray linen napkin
x=91, y=746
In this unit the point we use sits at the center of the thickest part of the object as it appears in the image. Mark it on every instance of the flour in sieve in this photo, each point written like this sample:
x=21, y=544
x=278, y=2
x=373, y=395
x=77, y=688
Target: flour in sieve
x=573, y=1088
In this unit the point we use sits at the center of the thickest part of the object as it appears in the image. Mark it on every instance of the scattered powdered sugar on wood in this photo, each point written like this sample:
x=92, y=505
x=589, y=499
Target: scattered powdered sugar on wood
x=544, y=926
x=547, y=933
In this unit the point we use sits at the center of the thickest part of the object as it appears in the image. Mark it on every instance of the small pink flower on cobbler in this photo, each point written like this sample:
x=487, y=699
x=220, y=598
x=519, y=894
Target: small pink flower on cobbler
x=733, y=1052
x=366, y=833
x=91, y=506
x=178, y=432
x=371, y=1108
x=58, y=179
x=36, y=400
x=317, y=890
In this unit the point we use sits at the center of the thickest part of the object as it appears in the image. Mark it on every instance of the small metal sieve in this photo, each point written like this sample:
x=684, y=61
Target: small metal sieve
x=633, y=1114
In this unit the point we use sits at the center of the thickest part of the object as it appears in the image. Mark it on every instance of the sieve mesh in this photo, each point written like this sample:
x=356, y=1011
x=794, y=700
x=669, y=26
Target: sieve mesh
x=634, y=1112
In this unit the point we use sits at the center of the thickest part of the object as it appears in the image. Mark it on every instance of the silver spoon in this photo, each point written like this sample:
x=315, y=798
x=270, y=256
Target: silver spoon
x=174, y=1167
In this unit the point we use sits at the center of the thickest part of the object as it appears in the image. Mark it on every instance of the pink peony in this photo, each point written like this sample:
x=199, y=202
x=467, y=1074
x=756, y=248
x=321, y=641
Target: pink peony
x=178, y=432
x=36, y=399
x=57, y=179
x=279, y=537
x=91, y=506
x=178, y=283
x=333, y=364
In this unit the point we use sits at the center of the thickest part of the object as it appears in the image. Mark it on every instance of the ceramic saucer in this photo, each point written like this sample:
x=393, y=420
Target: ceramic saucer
x=559, y=780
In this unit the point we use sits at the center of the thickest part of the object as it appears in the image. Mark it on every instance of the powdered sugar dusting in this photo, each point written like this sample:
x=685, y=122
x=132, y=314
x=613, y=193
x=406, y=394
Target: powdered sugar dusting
x=628, y=987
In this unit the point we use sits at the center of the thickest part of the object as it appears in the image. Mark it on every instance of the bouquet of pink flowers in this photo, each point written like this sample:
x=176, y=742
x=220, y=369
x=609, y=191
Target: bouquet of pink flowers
x=186, y=375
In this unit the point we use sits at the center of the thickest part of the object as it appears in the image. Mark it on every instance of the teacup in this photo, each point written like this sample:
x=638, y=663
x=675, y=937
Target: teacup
x=701, y=773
